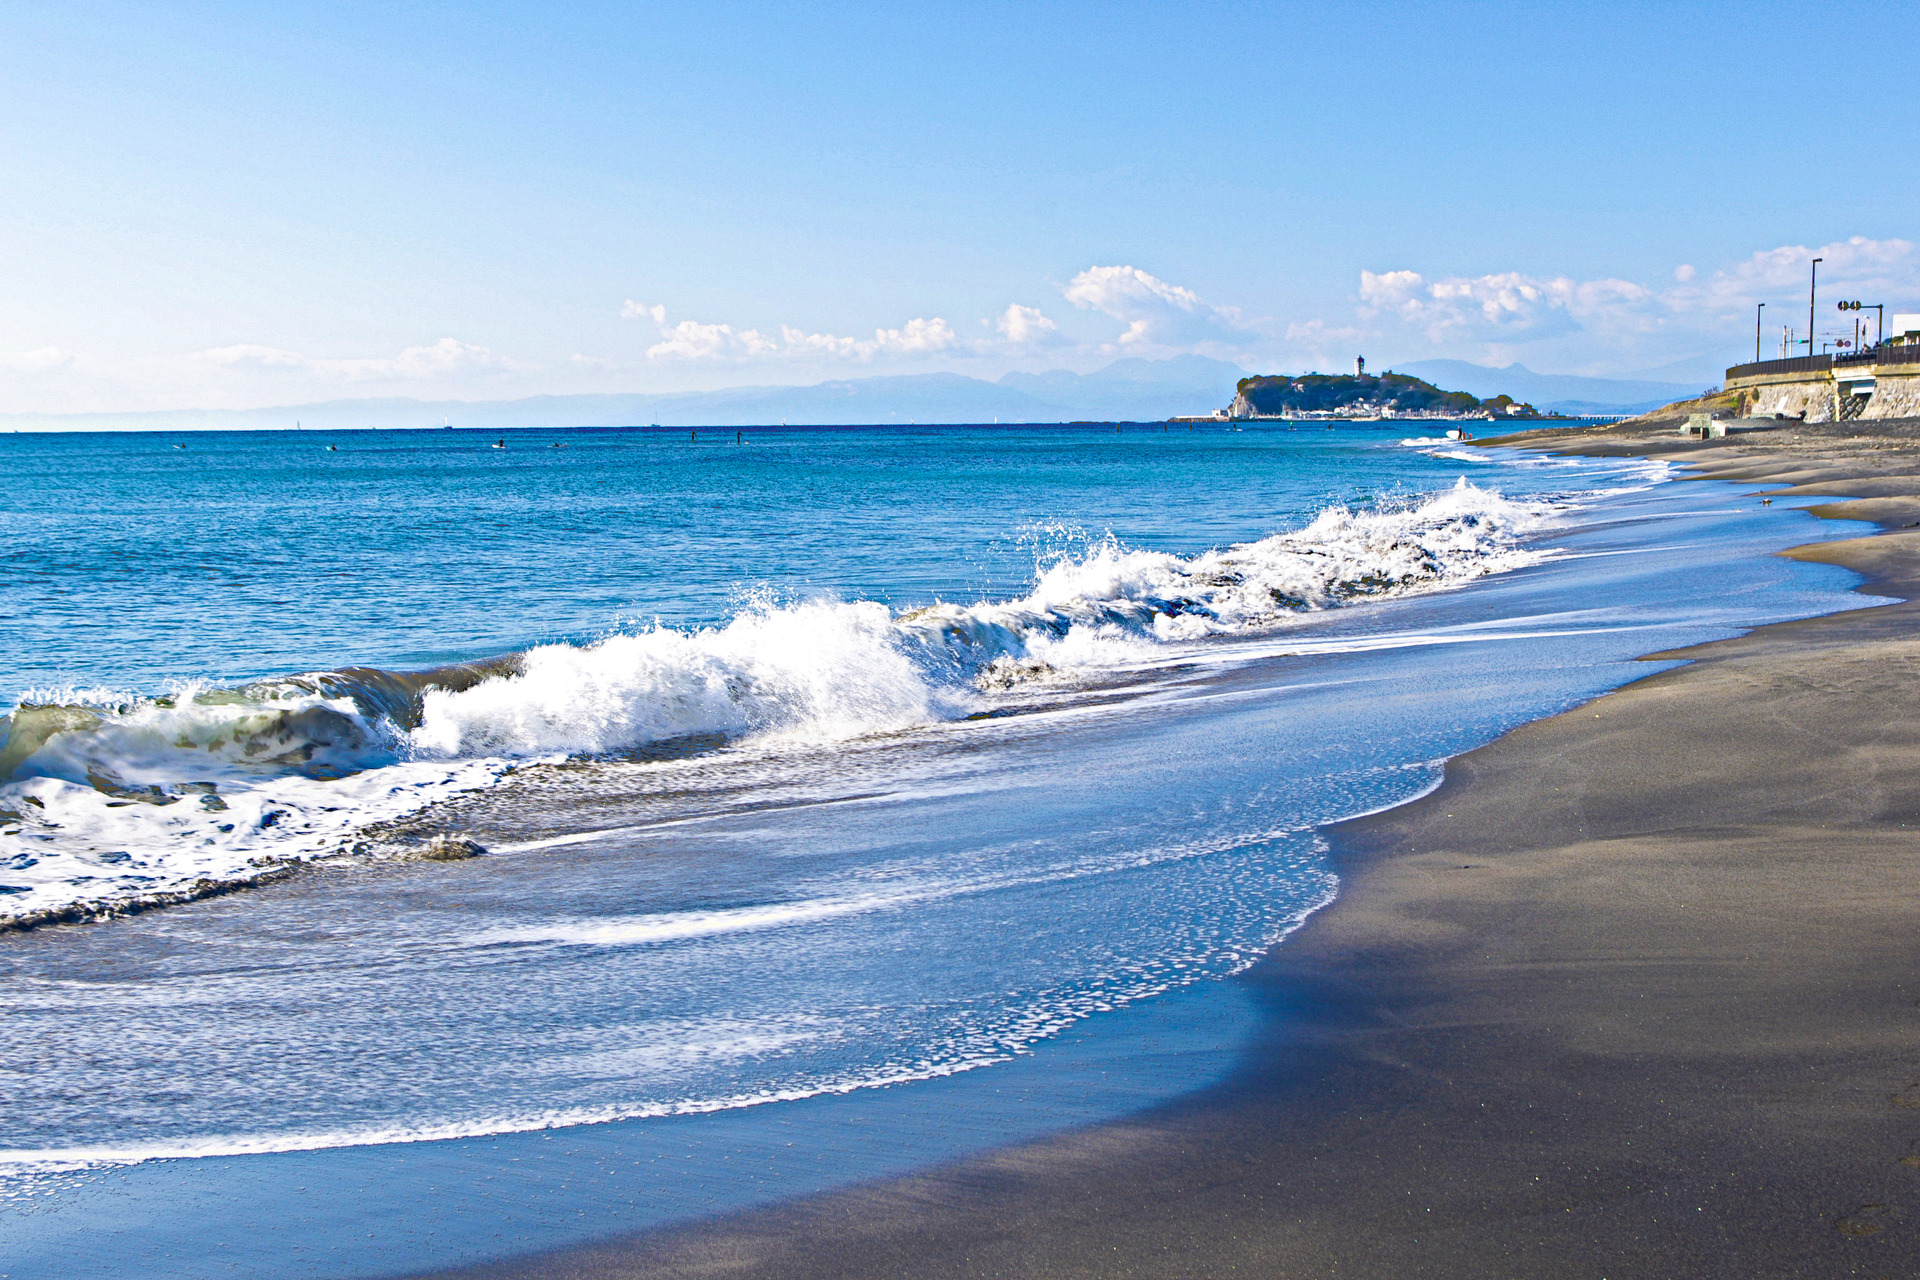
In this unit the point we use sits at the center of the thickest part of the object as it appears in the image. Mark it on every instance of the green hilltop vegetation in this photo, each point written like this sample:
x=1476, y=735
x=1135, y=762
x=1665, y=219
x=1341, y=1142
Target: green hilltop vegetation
x=1365, y=394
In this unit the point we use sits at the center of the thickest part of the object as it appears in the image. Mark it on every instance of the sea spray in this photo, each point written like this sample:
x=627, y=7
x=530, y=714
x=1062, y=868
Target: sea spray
x=110, y=804
x=829, y=670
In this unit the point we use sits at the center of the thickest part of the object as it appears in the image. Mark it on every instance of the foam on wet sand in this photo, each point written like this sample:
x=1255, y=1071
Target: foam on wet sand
x=1632, y=994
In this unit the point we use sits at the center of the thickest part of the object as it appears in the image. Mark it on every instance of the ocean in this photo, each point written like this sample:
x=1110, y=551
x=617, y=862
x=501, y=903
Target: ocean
x=375, y=804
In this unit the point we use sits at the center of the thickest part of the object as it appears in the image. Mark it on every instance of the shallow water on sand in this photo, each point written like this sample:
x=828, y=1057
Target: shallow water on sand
x=792, y=911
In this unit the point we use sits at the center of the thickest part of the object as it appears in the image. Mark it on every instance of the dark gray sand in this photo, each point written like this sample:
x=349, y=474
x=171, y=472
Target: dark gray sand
x=1636, y=993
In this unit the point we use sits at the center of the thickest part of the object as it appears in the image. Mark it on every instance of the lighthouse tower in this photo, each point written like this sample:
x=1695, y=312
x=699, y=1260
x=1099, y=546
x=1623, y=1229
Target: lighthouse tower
x=1359, y=366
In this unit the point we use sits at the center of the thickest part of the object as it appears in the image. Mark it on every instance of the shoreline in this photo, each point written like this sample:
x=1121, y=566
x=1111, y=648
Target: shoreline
x=1632, y=993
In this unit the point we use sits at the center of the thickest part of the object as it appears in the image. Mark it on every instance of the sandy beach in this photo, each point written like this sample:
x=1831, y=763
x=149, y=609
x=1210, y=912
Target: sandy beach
x=1636, y=992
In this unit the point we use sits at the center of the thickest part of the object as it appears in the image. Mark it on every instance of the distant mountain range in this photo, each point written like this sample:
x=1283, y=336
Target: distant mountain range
x=1131, y=390
x=1553, y=392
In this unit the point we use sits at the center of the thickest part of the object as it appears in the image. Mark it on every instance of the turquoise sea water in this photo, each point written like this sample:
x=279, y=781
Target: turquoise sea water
x=133, y=560
x=805, y=764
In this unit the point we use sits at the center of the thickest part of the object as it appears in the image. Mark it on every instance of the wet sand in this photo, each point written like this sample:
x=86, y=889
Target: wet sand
x=1635, y=993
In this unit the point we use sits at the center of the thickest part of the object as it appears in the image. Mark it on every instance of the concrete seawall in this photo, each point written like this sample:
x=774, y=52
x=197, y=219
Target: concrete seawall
x=1889, y=389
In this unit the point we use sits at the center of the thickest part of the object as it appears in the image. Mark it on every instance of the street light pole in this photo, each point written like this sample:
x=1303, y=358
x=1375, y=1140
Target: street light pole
x=1812, y=284
x=1756, y=331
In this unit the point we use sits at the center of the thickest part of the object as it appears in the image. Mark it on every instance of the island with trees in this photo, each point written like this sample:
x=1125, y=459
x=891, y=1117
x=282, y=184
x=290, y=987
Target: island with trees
x=1365, y=395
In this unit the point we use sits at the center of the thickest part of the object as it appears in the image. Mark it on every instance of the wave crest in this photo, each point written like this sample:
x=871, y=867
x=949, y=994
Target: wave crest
x=825, y=669
x=106, y=802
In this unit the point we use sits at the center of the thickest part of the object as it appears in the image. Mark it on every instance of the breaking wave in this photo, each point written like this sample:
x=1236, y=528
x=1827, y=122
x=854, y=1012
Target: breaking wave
x=107, y=804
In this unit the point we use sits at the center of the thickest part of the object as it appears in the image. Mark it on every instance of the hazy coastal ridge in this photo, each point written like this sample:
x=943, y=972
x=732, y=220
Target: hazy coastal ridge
x=1132, y=389
x=1631, y=994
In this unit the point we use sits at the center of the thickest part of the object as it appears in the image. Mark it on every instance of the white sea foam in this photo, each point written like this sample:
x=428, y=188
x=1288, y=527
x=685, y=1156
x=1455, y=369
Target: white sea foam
x=32, y=1162
x=830, y=670
x=70, y=846
x=678, y=926
x=108, y=800
x=1016, y=1032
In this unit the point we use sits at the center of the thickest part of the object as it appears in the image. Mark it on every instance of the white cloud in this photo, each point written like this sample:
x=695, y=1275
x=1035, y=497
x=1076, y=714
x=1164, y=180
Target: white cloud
x=1504, y=306
x=1026, y=326
x=694, y=340
x=798, y=341
x=448, y=356
x=1158, y=316
x=39, y=360
x=918, y=337
x=1552, y=321
x=691, y=340
x=249, y=355
x=417, y=364
x=246, y=374
x=1611, y=323
x=1156, y=313
x=1317, y=334
x=1873, y=270
x=1123, y=292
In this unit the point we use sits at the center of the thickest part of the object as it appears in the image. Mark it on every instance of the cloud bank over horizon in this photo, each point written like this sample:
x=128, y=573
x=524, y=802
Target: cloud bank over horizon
x=1601, y=326
x=282, y=204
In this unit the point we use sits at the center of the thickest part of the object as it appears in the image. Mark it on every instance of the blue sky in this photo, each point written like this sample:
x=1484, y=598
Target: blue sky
x=227, y=205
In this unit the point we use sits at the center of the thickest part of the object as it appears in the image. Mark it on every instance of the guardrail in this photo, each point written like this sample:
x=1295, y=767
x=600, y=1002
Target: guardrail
x=1903, y=353
x=1898, y=353
x=1793, y=364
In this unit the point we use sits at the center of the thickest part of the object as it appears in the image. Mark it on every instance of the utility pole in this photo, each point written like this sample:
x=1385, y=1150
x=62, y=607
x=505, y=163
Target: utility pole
x=1756, y=331
x=1813, y=283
